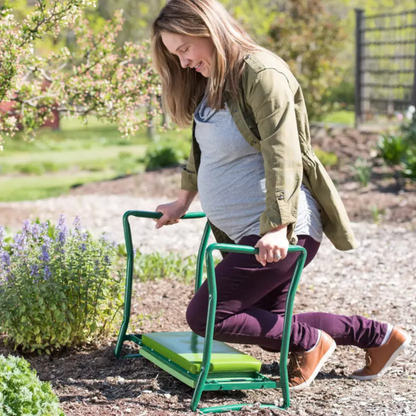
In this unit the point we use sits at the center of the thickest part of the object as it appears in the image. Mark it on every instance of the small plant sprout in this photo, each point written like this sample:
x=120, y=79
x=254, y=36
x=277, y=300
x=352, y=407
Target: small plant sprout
x=362, y=170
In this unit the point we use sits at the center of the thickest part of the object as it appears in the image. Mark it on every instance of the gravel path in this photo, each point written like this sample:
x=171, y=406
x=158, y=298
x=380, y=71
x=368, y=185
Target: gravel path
x=376, y=280
x=103, y=214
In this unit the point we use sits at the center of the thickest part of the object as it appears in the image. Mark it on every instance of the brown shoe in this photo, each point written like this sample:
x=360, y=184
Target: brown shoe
x=379, y=359
x=305, y=366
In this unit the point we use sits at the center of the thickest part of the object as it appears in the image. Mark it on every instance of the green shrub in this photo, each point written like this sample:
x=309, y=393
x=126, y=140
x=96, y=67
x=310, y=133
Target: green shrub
x=32, y=168
x=327, y=159
x=57, y=292
x=126, y=164
x=94, y=165
x=342, y=95
x=52, y=166
x=399, y=150
x=392, y=148
x=161, y=155
x=38, y=168
x=21, y=391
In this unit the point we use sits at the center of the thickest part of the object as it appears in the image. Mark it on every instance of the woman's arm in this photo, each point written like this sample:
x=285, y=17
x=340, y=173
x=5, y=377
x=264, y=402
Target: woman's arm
x=272, y=102
x=173, y=211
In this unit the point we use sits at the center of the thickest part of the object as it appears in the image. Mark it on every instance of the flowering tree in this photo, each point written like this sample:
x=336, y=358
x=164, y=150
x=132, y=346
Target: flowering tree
x=95, y=78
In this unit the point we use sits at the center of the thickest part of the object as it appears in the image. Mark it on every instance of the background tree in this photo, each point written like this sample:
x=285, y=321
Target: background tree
x=138, y=17
x=309, y=38
x=97, y=77
x=78, y=59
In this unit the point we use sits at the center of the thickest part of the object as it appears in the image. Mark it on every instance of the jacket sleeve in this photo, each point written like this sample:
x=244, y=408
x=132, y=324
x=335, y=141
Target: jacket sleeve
x=189, y=178
x=272, y=102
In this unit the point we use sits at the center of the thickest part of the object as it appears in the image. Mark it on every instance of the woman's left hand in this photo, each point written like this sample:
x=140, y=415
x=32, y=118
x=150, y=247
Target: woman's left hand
x=273, y=246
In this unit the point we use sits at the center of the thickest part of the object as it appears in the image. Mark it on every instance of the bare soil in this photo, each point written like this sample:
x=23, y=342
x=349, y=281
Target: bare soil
x=376, y=280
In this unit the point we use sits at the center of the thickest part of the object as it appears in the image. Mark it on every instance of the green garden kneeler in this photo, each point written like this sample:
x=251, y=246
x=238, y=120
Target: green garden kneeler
x=202, y=363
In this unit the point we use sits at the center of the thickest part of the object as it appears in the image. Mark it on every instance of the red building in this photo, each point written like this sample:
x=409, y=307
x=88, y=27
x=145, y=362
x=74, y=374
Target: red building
x=6, y=107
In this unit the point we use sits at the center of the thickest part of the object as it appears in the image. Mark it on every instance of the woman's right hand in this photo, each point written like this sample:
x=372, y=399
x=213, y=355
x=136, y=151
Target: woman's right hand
x=172, y=212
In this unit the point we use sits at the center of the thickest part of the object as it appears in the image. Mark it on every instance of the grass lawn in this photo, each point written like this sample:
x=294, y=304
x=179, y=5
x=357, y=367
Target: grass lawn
x=70, y=157
x=58, y=160
x=76, y=154
x=340, y=117
x=24, y=188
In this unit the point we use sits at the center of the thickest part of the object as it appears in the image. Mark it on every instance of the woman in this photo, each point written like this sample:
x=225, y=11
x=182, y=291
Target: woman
x=260, y=184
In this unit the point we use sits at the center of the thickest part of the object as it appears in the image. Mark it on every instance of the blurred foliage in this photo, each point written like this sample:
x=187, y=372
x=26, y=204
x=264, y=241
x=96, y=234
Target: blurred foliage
x=392, y=148
x=138, y=15
x=155, y=266
x=97, y=77
x=328, y=159
x=163, y=155
x=49, y=42
x=362, y=169
x=315, y=37
x=309, y=38
x=256, y=16
x=398, y=150
x=342, y=95
x=340, y=117
x=22, y=392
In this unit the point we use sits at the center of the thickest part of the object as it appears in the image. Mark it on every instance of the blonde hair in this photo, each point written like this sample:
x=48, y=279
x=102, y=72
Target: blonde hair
x=183, y=88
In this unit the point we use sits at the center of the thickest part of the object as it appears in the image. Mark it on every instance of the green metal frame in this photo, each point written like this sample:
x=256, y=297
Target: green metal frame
x=204, y=381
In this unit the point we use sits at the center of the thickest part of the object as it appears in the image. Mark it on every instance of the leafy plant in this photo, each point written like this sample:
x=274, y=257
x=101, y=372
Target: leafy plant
x=21, y=391
x=32, y=168
x=328, y=159
x=156, y=265
x=408, y=128
x=126, y=164
x=362, y=170
x=409, y=165
x=392, y=148
x=399, y=150
x=377, y=214
x=57, y=291
x=161, y=155
x=51, y=166
x=153, y=266
x=37, y=168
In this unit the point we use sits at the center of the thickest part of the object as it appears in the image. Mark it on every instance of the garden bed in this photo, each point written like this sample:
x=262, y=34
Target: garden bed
x=376, y=280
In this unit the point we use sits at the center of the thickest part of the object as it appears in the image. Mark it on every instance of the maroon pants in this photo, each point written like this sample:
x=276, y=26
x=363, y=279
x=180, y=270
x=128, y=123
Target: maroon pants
x=251, y=304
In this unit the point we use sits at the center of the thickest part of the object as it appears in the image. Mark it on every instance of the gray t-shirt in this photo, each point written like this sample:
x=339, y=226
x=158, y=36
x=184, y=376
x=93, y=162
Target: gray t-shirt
x=231, y=179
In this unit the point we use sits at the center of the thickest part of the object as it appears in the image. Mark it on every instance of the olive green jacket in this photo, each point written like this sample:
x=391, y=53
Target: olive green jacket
x=271, y=115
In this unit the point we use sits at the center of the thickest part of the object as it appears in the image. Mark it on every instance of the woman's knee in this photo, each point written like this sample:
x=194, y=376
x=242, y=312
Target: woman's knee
x=197, y=320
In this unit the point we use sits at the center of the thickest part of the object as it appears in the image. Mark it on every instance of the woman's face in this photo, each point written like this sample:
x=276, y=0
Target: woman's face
x=193, y=52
